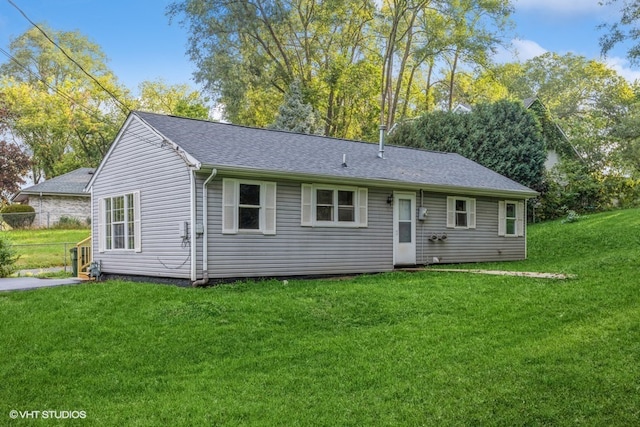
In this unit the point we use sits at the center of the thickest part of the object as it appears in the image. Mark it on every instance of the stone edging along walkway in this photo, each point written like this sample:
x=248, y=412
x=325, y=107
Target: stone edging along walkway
x=557, y=276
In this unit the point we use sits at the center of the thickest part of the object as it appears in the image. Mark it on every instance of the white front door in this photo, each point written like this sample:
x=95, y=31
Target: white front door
x=404, y=228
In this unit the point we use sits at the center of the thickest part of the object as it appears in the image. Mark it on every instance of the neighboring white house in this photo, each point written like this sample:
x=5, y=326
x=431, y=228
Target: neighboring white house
x=195, y=201
x=58, y=197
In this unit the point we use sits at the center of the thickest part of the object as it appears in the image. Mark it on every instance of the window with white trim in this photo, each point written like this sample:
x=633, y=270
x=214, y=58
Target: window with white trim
x=248, y=207
x=332, y=206
x=461, y=212
x=510, y=218
x=119, y=225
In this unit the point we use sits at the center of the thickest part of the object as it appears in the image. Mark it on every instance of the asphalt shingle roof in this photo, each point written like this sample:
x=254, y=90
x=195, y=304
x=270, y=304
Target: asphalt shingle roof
x=225, y=145
x=71, y=183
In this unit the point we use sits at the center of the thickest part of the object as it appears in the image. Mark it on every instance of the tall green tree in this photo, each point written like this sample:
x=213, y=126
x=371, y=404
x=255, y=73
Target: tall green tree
x=249, y=52
x=363, y=63
x=502, y=136
x=178, y=100
x=63, y=116
x=626, y=29
x=584, y=97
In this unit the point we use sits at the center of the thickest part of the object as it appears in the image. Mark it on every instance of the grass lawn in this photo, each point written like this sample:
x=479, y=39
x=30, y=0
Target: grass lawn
x=423, y=348
x=44, y=247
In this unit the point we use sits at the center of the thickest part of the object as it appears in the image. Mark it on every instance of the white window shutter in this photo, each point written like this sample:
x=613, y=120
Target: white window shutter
x=102, y=235
x=363, y=213
x=471, y=213
x=229, y=206
x=502, y=218
x=520, y=218
x=306, y=210
x=137, y=222
x=451, y=212
x=269, y=189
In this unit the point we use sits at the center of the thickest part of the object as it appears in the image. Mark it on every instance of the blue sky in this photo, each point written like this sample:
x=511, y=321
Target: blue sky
x=141, y=44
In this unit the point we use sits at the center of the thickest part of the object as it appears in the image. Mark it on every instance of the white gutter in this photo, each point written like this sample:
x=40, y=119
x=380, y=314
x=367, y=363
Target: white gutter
x=205, y=234
x=247, y=172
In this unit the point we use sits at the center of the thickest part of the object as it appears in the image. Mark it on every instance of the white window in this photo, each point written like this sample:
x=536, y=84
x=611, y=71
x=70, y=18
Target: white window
x=510, y=218
x=119, y=222
x=248, y=207
x=461, y=212
x=333, y=206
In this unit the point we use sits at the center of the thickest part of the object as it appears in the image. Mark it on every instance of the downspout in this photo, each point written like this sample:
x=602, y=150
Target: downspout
x=205, y=234
x=526, y=230
x=192, y=214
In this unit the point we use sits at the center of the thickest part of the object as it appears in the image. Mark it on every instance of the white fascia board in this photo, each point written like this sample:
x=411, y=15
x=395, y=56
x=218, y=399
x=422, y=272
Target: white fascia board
x=87, y=188
x=189, y=160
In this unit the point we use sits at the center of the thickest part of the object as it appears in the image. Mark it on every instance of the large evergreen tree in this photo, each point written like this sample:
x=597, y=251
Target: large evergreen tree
x=502, y=136
x=296, y=115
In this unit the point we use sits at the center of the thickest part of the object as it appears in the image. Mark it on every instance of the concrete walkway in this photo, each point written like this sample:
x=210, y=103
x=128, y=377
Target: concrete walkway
x=25, y=283
x=557, y=276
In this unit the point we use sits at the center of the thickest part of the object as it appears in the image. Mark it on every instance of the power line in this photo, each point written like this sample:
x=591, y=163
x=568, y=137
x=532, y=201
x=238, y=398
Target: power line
x=53, y=88
x=123, y=107
x=143, y=138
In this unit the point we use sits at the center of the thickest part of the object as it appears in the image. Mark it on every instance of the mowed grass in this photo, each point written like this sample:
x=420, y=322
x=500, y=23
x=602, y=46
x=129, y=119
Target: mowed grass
x=42, y=248
x=393, y=349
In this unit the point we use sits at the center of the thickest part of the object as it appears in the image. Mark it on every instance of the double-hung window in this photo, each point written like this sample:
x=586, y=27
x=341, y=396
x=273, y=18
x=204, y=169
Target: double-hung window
x=461, y=212
x=334, y=206
x=119, y=225
x=248, y=207
x=510, y=218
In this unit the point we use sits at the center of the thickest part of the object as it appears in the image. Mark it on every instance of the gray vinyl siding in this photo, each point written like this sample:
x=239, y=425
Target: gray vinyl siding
x=481, y=244
x=138, y=163
x=298, y=250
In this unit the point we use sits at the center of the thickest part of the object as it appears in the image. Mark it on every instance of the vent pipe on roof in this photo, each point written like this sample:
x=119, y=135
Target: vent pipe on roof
x=381, y=148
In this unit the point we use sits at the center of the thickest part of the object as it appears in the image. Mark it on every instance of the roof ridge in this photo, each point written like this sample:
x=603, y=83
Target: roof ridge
x=358, y=141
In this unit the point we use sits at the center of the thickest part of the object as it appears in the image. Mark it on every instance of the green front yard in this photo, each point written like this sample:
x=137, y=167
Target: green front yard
x=392, y=349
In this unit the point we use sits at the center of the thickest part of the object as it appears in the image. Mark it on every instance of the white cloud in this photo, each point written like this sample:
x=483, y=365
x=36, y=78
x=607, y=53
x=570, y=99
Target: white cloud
x=560, y=6
x=518, y=51
x=621, y=66
x=527, y=49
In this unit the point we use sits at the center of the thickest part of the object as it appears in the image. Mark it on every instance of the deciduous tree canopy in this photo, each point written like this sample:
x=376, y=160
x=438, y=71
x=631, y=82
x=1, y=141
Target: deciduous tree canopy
x=63, y=116
x=363, y=62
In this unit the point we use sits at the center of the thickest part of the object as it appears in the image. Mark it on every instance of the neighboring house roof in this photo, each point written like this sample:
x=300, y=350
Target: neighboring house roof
x=245, y=149
x=69, y=184
x=462, y=108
